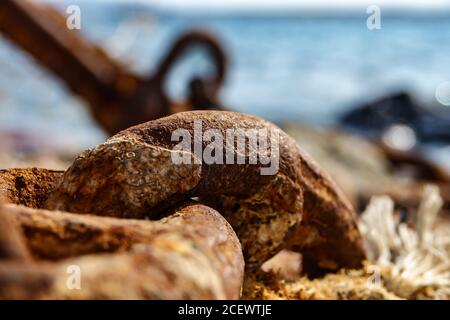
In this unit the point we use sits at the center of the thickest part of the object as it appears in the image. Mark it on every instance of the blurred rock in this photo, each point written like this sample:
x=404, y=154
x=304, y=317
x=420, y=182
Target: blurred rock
x=285, y=263
x=363, y=169
x=375, y=117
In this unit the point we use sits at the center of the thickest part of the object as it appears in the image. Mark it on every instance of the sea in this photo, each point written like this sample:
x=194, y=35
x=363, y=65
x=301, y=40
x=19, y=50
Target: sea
x=291, y=66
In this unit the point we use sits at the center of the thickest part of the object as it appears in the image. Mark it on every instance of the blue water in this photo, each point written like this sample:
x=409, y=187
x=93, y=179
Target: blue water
x=302, y=68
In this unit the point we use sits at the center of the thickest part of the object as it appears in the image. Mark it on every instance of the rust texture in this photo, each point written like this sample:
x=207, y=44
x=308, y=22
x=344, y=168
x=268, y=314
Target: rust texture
x=28, y=187
x=132, y=175
x=117, y=98
x=193, y=254
x=11, y=243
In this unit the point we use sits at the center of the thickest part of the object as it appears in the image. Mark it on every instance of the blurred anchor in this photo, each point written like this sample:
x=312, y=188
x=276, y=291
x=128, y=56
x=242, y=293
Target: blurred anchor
x=117, y=98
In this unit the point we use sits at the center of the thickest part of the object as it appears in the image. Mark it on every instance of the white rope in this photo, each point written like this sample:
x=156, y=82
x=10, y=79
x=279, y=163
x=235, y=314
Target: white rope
x=412, y=259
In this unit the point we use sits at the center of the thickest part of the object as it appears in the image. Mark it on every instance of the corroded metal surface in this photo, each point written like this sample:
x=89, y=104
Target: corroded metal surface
x=193, y=254
x=189, y=250
x=28, y=187
x=132, y=175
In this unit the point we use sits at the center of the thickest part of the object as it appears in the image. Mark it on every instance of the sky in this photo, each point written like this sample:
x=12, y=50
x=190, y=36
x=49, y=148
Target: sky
x=258, y=5
x=301, y=3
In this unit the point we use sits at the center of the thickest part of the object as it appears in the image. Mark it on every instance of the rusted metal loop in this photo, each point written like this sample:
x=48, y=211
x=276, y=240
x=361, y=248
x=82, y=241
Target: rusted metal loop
x=202, y=91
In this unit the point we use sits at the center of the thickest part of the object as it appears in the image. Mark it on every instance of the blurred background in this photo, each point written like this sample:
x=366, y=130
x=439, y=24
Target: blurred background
x=302, y=64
